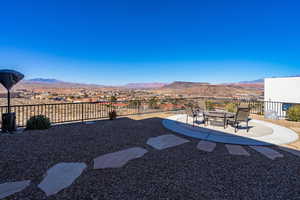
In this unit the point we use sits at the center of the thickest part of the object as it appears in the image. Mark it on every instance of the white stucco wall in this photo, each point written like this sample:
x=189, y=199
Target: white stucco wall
x=283, y=89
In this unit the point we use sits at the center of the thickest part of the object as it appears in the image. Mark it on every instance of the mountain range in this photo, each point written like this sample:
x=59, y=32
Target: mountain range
x=44, y=80
x=54, y=83
x=257, y=84
x=210, y=90
x=261, y=80
x=144, y=85
x=176, y=88
x=48, y=82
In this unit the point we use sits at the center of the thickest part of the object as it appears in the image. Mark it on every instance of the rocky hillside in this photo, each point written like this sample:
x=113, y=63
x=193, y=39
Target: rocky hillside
x=206, y=89
x=144, y=85
x=184, y=85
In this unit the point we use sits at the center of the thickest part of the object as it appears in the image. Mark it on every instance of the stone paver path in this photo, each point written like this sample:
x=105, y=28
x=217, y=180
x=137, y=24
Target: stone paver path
x=292, y=151
x=7, y=189
x=268, y=152
x=119, y=158
x=60, y=176
x=206, y=146
x=90, y=122
x=237, y=150
x=165, y=141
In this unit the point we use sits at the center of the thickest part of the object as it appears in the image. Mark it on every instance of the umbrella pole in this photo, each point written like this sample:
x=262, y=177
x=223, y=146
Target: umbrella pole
x=8, y=101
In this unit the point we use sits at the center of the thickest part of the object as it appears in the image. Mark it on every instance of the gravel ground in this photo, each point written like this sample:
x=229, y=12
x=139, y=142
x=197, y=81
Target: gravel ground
x=181, y=172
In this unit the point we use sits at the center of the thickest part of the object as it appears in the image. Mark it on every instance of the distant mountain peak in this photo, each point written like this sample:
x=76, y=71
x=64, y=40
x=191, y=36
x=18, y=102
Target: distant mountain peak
x=184, y=84
x=45, y=80
x=261, y=80
x=144, y=85
x=189, y=82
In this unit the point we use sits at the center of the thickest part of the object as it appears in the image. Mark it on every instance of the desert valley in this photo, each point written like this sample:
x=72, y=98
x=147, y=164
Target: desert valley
x=36, y=91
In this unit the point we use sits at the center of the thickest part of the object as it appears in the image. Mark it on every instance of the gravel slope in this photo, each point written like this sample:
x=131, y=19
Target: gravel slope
x=181, y=172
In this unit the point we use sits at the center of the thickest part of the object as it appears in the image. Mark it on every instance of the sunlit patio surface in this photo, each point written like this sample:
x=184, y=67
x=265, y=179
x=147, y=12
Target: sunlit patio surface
x=259, y=132
x=142, y=158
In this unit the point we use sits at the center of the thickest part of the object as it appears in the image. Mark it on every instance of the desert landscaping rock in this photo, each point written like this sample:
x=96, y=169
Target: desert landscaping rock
x=236, y=150
x=61, y=176
x=182, y=172
x=165, y=141
x=90, y=122
x=119, y=158
x=268, y=152
x=9, y=188
x=292, y=151
x=206, y=146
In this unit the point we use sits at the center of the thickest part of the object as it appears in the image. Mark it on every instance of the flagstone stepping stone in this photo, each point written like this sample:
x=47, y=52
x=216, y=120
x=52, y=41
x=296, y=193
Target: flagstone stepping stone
x=9, y=188
x=60, y=176
x=119, y=158
x=292, y=151
x=268, y=152
x=206, y=146
x=237, y=150
x=165, y=141
x=90, y=122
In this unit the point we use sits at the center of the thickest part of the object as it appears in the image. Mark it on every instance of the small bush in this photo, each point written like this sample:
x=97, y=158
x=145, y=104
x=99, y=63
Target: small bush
x=112, y=115
x=38, y=122
x=293, y=113
x=209, y=105
x=231, y=107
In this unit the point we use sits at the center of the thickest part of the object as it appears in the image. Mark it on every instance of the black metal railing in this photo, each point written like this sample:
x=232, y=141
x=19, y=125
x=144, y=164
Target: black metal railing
x=84, y=111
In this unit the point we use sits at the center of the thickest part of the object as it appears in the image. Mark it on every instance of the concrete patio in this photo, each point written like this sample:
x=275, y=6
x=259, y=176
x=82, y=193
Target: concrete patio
x=260, y=132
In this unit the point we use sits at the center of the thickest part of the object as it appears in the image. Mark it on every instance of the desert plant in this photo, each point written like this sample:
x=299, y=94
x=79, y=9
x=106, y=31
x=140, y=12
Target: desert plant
x=209, y=105
x=153, y=103
x=189, y=105
x=113, y=98
x=135, y=103
x=38, y=122
x=112, y=115
x=231, y=107
x=293, y=113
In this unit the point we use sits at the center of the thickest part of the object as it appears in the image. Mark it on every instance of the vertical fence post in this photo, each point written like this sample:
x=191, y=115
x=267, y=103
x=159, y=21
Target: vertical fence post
x=82, y=118
x=139, y=106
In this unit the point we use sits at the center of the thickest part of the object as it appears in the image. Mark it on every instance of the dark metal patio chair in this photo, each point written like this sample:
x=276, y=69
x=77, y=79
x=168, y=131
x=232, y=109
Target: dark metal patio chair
x=201, y=107
x=242, y=115
x=190, y=112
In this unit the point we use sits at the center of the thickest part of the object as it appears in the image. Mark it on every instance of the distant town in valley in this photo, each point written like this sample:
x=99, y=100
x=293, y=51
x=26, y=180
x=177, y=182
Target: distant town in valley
x=41, y=91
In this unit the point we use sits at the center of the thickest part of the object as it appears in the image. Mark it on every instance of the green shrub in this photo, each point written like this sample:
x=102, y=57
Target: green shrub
x=231, y=107
x=38, y=122
x=293, y=113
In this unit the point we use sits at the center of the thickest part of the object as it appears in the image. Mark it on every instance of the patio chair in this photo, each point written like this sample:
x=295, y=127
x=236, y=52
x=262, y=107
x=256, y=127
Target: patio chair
x=201, y=107
x=190, y=112
x=242, y=115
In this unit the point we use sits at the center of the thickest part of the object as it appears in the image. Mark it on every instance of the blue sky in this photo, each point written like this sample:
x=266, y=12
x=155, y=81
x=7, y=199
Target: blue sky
x=116, y=42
